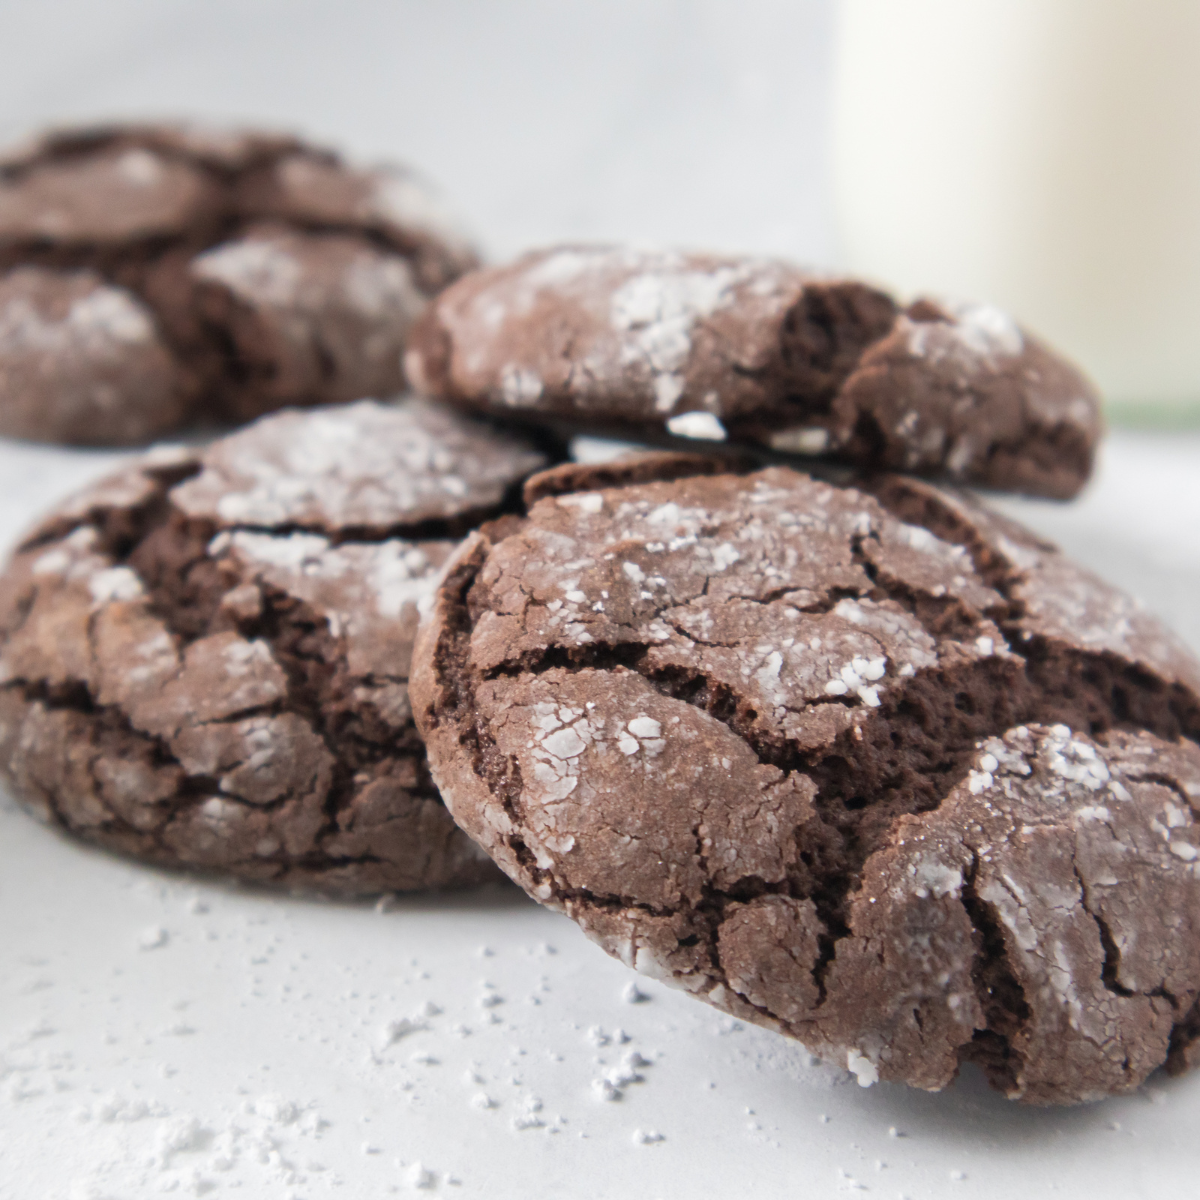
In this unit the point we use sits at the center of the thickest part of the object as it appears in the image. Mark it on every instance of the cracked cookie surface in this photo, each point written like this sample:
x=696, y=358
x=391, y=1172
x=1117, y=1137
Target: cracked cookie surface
x=760, y=352
x=152, y=276
x=204, y=659
x=867, y=764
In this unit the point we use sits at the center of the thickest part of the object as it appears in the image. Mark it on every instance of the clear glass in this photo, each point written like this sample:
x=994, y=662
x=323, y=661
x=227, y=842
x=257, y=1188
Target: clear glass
x=1041, y=154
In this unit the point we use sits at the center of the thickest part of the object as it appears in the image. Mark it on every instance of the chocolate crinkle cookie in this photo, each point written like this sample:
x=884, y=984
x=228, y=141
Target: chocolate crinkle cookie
x=760, y=352
x=868, y=765
x=204, y=659
x=152, y=276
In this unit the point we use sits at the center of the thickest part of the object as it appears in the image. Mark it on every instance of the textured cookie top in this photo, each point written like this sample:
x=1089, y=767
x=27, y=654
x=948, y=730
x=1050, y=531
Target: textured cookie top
x=94, y=347
x=365, y=466
x=128, y=182
x=266, y=272
x=225, y=149
x=705, y=716
x=204, y=659
x=748, y=349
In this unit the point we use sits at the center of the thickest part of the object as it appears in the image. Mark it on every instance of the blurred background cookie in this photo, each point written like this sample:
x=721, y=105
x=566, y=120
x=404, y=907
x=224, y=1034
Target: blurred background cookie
x=158, y=275
x=757, y=351
x=204, y=659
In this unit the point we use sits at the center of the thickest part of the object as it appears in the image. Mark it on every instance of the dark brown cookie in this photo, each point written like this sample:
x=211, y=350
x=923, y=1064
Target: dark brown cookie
x=313, y=318
x=89, y=349
x=317, y=191
x=270, y=272
x=760, y=352
x=868, y=765
x=204, y=660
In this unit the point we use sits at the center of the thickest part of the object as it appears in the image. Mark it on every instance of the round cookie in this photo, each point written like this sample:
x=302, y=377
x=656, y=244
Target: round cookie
x=84, y=355
x=760, y=352
x=204, y=659
x=869, y=765
x=265, y=272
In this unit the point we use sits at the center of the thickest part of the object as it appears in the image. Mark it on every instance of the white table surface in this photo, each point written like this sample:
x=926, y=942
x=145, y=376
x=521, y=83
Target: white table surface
x=161, y=1033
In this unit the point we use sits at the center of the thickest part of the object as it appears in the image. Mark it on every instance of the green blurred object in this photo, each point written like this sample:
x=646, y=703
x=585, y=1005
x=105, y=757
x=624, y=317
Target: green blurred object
x=1153, y=414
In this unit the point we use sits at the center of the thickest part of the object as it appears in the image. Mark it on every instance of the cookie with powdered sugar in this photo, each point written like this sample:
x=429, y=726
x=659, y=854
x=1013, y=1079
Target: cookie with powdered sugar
x=869, y=765
x=204, y=659
x=759, y=352
x=152, y=276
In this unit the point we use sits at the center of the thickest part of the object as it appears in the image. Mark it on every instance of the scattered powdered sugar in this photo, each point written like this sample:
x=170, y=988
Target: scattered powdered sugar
x=862, y=1068
x=605, y=1089
x=530, y=1115
x=420, y=1177
x=153, y=938
x=399, y=1028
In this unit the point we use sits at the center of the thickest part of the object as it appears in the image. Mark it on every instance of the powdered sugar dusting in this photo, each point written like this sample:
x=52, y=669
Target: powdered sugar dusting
x=260, y=268
x=101, y=320
x=977, y=336
x=365, y=464
x=657, y=308
x=401, y=197
x=630, y=317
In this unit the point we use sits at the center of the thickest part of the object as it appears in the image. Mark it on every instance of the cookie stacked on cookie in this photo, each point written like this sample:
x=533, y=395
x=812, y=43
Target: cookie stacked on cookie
x=759, y=352
x=156, y=276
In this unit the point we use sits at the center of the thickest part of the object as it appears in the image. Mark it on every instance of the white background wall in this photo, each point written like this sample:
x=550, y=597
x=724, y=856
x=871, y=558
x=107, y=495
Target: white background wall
x=698, y=122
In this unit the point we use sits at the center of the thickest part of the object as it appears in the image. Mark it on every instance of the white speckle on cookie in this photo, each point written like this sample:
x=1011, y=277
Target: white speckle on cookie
x=139, y=167
x=115, y=584
x=519, y=385
x=258, y=268
x=934, y=877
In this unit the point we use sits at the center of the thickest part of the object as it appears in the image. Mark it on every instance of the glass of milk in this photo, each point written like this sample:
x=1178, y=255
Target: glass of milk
x=1041, y=154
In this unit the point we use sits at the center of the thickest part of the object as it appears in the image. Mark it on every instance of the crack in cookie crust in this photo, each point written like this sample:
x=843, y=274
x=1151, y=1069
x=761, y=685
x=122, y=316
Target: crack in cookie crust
x=192, y=689
x=724, y=722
